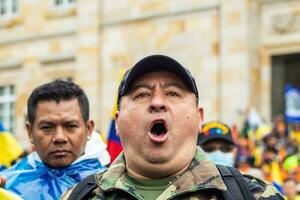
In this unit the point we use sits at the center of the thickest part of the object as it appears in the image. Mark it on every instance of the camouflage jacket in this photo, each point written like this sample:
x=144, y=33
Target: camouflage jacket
x=201, y=181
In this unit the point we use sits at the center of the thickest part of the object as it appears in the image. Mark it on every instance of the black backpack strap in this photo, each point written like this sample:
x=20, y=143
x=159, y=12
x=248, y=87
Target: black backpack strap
x=84, y=188
x=237, y=187
x=241, y=183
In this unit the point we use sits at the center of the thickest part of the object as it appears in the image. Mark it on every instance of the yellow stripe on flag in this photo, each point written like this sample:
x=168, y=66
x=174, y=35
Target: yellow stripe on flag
x=103, y=134
x=7, y=195
x=9, y=149
x=122, y=72
x=276, y=173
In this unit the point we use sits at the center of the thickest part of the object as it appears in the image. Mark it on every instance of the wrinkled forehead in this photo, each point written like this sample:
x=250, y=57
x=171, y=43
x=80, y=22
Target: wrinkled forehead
x=164, y=78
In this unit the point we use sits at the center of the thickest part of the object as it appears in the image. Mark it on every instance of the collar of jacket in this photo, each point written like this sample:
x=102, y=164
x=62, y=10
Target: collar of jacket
x=201, y=174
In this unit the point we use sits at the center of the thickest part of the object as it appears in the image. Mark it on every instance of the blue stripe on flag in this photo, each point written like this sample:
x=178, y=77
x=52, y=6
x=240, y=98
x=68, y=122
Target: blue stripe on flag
x=1, y=127
x=112, y=132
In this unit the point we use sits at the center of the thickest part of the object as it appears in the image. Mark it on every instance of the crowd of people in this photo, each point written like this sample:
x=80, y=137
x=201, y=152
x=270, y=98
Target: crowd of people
x=270, y=151
x=273, y=148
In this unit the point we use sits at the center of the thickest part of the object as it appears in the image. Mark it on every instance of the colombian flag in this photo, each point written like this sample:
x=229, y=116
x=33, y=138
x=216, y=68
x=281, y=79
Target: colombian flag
x=9, y=147
x=114, y=146
x=7, y=195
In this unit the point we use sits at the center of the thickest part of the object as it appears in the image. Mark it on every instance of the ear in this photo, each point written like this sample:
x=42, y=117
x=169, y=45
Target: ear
x=90, y=124
x=116, y=121
x=29, y=128
x=201, y=117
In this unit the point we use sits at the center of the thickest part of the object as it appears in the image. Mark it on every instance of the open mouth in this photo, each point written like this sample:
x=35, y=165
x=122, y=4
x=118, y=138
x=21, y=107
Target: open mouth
x=158, y=131
x=158, y=127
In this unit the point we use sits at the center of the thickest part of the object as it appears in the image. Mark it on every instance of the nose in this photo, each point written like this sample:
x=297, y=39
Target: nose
x=157, y=103
x=59, y=136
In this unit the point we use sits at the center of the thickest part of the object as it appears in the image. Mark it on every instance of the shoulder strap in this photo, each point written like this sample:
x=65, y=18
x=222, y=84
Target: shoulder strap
x=84, y=188
x=236, y=184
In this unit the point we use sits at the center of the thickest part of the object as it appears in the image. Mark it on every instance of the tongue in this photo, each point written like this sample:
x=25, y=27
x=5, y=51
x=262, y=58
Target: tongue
x=158, y=138
x=158, y=132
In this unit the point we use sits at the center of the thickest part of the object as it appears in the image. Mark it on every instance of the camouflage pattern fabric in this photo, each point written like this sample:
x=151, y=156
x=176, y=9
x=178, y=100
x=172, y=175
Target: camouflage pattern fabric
x=201, y=181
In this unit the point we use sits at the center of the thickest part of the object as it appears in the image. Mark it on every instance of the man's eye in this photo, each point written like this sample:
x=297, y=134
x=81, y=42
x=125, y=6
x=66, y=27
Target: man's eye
x=46, y=128
x=173, y=94
x=141, y=95
x=71, y=126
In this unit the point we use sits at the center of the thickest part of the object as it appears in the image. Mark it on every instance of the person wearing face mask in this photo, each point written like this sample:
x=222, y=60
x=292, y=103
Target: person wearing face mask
x=216, y=140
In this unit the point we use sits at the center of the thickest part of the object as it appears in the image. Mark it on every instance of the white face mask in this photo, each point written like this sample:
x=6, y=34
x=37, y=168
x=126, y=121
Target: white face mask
x=218, y=157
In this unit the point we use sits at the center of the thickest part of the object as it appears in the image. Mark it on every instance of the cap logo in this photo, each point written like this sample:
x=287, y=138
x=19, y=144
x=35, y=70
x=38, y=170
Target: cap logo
x=215, y=128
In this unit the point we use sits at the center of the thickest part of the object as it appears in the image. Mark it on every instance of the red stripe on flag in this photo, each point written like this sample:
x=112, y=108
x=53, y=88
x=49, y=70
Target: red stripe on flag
x=113, y=148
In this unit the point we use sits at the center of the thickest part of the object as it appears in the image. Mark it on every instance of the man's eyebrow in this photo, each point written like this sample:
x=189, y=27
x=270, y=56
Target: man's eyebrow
x=140, y=85
x=71, y=121
x=45, y=122
x=52, y=122
x=163, y=85
x=175, y=84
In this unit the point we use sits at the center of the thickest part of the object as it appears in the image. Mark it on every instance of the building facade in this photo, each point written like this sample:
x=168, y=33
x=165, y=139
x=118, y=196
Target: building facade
x=242, y=52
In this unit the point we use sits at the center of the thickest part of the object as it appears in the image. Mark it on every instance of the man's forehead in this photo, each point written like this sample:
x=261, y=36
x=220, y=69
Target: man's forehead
x=52, y=106
x=165, y=79
x=56, y=118
x=44, y=103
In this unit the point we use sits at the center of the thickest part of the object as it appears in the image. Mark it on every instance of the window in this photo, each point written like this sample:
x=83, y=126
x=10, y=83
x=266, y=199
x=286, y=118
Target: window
x=7, y=107
x=8, y=8
x=64, y=3
x=61, y=8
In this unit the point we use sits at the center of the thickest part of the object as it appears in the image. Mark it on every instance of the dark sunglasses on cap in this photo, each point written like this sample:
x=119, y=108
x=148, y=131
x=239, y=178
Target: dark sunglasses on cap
x=211, y=148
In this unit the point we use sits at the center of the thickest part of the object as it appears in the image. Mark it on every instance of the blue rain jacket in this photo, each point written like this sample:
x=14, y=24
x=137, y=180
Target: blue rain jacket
x=31, y=179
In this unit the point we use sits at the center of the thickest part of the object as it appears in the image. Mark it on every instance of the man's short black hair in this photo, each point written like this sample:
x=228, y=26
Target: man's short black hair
x=57, y=91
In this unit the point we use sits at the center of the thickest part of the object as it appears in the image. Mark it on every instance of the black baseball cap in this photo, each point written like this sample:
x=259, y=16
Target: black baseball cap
x=215, y=130
x=155, y=63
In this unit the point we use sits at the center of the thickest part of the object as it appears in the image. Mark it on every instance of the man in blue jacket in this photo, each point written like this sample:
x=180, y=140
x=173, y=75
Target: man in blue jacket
x=59, y=128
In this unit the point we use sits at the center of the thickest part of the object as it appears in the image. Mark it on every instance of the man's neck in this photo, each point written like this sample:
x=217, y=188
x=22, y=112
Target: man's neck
x=134, y=174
